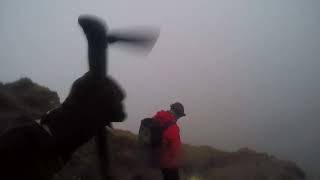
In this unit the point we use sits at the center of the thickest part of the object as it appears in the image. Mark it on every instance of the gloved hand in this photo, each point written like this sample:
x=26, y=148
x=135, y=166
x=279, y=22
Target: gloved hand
x=90, y=106
x=102, y=100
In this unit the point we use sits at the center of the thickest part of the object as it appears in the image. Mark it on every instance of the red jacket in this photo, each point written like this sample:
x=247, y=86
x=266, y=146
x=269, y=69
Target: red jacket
x=170, y=152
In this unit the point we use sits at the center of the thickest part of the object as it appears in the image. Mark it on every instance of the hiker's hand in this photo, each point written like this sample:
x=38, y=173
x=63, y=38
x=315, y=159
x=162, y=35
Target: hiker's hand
x=90, y=106
x=101, y=100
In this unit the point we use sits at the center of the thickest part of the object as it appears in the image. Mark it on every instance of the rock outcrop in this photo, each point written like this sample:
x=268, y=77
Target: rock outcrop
x=24, y=98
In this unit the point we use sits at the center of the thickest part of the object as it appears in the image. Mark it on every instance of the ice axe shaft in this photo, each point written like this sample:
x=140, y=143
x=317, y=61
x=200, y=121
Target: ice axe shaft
x=96, y=34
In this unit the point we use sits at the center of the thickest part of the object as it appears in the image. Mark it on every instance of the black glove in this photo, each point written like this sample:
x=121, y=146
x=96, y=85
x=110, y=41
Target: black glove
x=91, y=104
x=102, y=100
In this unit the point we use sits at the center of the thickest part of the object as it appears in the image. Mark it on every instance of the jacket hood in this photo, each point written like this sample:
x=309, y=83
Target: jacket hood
x=164, y=116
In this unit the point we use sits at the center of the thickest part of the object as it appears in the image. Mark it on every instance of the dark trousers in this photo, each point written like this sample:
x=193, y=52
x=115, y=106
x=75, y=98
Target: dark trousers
x=170, y=174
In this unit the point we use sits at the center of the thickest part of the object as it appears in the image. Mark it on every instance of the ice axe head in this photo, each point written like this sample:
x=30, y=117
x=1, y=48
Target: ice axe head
x=96, y=31
x=138, y=38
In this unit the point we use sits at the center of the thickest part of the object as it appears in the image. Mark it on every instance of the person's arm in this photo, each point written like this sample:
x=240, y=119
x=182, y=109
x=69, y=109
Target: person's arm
x=28, y=152
x=31, y=152
x=172, y=136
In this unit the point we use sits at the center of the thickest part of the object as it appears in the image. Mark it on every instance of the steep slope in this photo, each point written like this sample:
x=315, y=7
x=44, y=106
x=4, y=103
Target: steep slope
x=199, y=162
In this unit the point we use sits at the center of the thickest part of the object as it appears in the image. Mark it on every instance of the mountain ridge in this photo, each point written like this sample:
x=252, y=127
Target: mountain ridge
x=24, y=97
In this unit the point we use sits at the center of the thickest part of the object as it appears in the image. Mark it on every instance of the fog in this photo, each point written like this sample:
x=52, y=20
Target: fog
x=246, y=71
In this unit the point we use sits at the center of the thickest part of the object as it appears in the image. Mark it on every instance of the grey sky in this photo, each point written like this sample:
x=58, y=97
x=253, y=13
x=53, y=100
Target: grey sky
x=247, y=71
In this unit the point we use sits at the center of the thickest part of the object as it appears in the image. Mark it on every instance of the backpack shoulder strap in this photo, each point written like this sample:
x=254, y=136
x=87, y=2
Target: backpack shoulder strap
x=168, y=124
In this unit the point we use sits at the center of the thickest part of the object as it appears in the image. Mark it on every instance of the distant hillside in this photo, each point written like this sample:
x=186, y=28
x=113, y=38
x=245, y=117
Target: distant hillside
x=26, y=98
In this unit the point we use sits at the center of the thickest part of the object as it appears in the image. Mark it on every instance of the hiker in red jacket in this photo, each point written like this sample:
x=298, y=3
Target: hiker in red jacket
x=170, y=151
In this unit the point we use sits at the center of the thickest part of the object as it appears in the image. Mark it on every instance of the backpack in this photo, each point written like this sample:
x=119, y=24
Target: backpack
x=150, y=140
x=150, y=132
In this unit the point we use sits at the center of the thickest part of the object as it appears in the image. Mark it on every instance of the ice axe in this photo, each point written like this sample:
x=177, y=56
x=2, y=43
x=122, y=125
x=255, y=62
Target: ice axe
x=99, y=39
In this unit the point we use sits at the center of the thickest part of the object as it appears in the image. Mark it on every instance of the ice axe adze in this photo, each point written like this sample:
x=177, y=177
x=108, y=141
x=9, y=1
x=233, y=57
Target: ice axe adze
x=98, y=40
